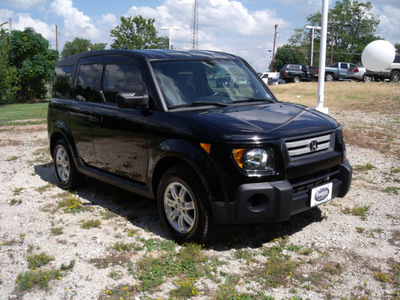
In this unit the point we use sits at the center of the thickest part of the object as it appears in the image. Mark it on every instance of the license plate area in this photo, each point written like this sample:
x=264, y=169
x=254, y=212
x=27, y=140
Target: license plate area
x=321, y=194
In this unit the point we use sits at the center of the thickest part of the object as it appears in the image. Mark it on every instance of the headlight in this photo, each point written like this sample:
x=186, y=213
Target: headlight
x=255, y=160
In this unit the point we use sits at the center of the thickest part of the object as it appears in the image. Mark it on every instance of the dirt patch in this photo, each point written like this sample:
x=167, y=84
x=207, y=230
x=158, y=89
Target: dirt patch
x=105, y=243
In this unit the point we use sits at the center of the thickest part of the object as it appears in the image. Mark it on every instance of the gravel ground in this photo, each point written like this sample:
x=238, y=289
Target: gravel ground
x=345, y=249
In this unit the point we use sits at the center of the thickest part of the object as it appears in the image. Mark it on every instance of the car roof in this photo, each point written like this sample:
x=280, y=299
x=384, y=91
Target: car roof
x=150, y=54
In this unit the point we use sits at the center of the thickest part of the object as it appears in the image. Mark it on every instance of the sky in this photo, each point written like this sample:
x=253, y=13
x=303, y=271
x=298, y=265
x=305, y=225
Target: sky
x=244, y=28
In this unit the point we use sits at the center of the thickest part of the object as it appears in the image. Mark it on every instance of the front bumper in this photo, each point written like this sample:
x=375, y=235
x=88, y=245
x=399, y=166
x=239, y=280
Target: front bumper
x=276, y=201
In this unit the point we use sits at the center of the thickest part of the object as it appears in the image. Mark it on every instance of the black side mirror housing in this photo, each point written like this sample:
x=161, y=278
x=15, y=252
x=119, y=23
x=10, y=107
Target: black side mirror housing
x=131, y=100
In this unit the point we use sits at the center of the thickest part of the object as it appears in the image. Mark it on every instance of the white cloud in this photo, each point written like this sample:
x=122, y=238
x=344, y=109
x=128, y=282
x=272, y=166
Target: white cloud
x=389, y=23
x=76, y=23
x=24, y=4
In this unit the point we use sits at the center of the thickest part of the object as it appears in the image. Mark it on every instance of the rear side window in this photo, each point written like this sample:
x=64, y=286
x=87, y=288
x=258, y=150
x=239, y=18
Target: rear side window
x=397, y=59
x=63, y=82
x=86, y=82
x=120, y=78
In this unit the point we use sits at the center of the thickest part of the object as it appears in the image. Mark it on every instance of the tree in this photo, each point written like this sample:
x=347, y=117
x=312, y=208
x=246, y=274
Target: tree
x=353, y=26
x=35, y=62
x=288, y=54
x=8, y=72
x=397, y=47
x=79, y=45
x=137, y=33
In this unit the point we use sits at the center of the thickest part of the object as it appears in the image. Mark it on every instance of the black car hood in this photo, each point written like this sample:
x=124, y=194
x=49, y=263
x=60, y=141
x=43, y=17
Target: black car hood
x=267, y=121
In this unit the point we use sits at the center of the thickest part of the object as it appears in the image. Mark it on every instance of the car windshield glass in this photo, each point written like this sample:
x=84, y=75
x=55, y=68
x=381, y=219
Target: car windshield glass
x=218, y=82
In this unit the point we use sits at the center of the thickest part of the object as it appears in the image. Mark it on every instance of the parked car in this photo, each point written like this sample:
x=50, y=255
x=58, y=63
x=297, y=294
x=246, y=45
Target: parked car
x=156, y=123
x=338, y=71
x=358, y=73
x=296, y=73
x=392, y=72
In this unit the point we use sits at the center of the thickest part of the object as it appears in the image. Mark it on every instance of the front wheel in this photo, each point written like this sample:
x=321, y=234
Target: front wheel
x=64, y=166
x=184, y=207
x=296, y=79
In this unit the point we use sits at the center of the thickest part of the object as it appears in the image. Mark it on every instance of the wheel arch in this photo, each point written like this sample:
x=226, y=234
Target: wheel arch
x=179, y=152
x=60, y=131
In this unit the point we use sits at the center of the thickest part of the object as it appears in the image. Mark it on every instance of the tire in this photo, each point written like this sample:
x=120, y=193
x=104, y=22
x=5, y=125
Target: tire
x=296, y=79
x=367, y=78
x=64, y=166
x=328, y=77
x=395, y=76
x=184, y=207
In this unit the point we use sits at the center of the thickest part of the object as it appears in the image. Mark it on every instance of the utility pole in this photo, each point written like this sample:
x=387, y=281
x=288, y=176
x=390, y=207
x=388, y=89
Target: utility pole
x=56, y=38
x=312, y=28
x=273, y=49
x=10, y=25
x=332, y=36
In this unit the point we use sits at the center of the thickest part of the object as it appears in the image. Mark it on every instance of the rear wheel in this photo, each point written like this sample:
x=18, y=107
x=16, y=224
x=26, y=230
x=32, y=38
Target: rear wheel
x=296, y=79
x=64, y=166
x=367, y=78
x=395, y=76
x=183, y=206
x=328, y=77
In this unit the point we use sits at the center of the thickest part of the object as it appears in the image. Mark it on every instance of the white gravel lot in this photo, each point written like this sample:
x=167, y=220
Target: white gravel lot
x=366, y=251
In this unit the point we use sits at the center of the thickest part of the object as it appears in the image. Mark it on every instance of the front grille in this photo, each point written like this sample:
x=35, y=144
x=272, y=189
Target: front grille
x=306, y=182
x=309, y=145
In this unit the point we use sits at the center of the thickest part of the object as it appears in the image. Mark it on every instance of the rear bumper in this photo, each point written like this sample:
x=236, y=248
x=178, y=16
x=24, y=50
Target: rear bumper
x=275, y=201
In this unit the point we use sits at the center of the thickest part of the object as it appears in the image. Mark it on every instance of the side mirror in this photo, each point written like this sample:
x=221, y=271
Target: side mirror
x=131, y=100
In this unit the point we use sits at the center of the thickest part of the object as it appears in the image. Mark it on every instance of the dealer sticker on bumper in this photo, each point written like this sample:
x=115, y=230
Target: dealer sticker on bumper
x=321, y=194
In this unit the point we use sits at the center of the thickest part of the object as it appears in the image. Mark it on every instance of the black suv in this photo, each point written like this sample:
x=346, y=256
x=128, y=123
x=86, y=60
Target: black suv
x=198, y=131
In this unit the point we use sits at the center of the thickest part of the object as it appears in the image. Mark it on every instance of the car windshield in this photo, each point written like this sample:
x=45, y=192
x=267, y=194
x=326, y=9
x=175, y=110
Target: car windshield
x=219, y=82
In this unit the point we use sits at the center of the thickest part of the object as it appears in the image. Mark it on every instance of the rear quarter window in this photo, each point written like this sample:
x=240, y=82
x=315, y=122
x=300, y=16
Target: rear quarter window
x=63, y=82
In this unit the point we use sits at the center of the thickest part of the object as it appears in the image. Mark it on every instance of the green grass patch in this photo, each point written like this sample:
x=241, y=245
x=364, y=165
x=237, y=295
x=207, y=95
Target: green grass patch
x=38, y=260
x=360, y=211
x=40, y=278
x=71, y=204
x=392, y=190
x=364, y=168
x=23, y=114
x=91, y=224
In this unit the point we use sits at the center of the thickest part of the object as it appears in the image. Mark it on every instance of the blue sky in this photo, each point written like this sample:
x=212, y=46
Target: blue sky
x=245, y=28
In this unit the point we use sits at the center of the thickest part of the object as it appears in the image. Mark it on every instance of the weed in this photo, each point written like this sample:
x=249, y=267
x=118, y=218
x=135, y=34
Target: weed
x=306, y=251
x=364, y=168
x=333, y=270
x=44, y=188
x=15, y=201
x=116, y=275
x=358, y=211
x=123, y=247
x=395, y=170
x=382, y=277
x=12, y=158
x=17, y=191
x=91, y=224
x=68, y=267
x=109, y=215
x=56, y=230
x=186, y=289
x=360, y=229
x=246, y=255
x=392, y=190
x=119, y=292
x=41, y=278
x=71, y=204
x=116, y=259
x=38, y=260
x=132, y=232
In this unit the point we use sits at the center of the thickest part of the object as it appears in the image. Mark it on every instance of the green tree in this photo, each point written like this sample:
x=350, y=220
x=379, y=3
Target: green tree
x=397, y=47
x=353, y=25
x=79, y=45
x=137, y=33
x=8, y=72
x=288, y=54
x=30, y=53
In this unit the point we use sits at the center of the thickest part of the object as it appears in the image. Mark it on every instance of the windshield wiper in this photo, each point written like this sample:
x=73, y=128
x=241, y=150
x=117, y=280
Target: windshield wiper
x=199, y=103
x=252, y=100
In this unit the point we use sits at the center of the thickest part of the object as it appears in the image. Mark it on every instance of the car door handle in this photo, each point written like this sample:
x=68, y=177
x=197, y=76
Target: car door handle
x=95, y=119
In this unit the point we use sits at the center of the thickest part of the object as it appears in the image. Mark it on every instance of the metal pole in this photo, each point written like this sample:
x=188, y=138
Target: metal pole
x=170, y=34
x=312, y=43
x=273, y=49
x=322, y=58
x=333, y=31
x=56, y=38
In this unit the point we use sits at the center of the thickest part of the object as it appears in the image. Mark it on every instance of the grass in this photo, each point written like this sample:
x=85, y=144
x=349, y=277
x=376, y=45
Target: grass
x=341, y=96
x=23, y=114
